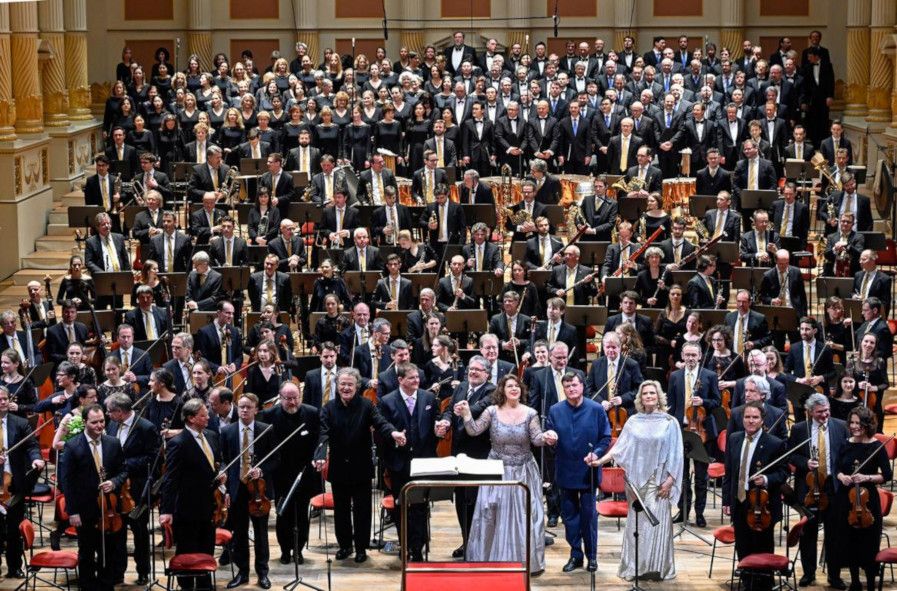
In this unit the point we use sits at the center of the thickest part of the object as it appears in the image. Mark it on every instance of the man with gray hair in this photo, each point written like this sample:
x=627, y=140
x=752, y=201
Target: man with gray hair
x=372, y=357
x=203, y=285
x=510, y=138
x=208, y=178
x=758, y=365
x=613, y=380
x=756, y=388
x=418, y=318
x=480, y=254
x=818, y=444
x=149, y=321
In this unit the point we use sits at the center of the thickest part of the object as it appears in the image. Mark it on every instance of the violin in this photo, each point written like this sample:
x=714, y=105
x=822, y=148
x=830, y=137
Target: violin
x=5, y=495
x=127, y=501
x=219, y=516
x=110, y=519
x=758, y=516
x=870, y=399
x=371, y=392
x=816, y=496
x=696, y=415
x=725, y=394
x=618, y=417
x=259, y=504
x=859, y=516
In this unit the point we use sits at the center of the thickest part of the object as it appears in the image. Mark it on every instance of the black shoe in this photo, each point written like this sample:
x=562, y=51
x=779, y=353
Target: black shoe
x=552, y=521
x=837, y=584
x=572, y=565
x=142, y=580
x=361, y=556
x=315, y=513
x=416, y=557
x=549, y=541
x=593, y=566
x=806, y=580
x=855, y=586
x=286, y=559
x=264, y=582
x=343, y=553
x=54, y=540
x=458, y=552
x=240, y=579
x=225, y=559
x=16, y=574
x=700, y=521
x=119, y=581
x=678, y=518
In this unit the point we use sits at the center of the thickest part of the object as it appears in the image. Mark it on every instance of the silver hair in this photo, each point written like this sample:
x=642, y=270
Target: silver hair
x=761, y=383
x=815, y=400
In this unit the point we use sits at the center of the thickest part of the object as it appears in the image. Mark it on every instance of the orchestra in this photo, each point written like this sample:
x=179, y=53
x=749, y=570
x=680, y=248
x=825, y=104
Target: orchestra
x=585, y=218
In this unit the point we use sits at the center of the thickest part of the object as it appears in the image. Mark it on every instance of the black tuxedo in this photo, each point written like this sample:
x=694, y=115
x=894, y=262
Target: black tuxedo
x=481, y=194
x=239, y=252
x=278, y=247
x=405, y=294
x=205, y=295
x=201, y=181
x=729, y=146
x=449, y=154
x=645, y=128
x=615, y=153
x=879, y=287
x=601, y=217
x=544, y=393
x=532, y=258
x=135, y=318
x=773, y=416
x=372, y=259
x=628, y=377
x=769, y=289
x=283, y=191
x=576, y=146
x=378, y=221
x=283, y=291
x=208, y=343
x=445, y=296
x=478, y=147
x=468, y=54
x=180, y=385
x=583, y=293
x=93, y=196
x=199, y=224
x=747, y=248
x=419, y=181
x=183, y=251
x=455, y=222
x=791, y=151
x=643, y=326
x=543, y=142
x=314, y=156
x=731, y=227
x=244, y=150
x=506, y=138
x=800, y=218
x=699, y=144
x=130, y=158
x=757, y=328
x=143, y=222
x=19, y=461
x=58, y=340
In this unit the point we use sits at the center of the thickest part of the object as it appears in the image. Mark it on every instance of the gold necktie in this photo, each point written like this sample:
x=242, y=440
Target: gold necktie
x=269, y=292
x=752, y=175
x=70, y=330
x=339, y=220
x=223, y=348
x=611, y=379
x=571, y=281
x=558, y=384
x=799, y=151
x=743, y=472
x=440, y=162
x=200, y=154
x=710, y=288
x=428, y=186
x=169, y=259
x=228, y=253
x=393, y=289
x=719, y=224
x=328, y=183
x=761, y=242
x=121, y=152
x=362, y=262
x=244, y=456
x=808, y=362
x=624, y=157
x=150, y=327
x=288, y=244
x=677, y=253
x=113, y=256
x=202, y=279
x=215, y=178
x=848, y=204
x=95, y=450
x=125, y=361
x=303, y=160
x=104, y=189
x=328, y=385
x=206, y=449
x=864, y=286
x=689, y=390
x=822, y=452
x=786, y=217
x=479, y=258
x=740, y=332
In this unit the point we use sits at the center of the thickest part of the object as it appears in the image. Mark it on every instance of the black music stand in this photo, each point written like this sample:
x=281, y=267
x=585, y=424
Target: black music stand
x=712, y=317
x=540, y=277
x=304, y=212
x=841, y=287
x=84, y=216
x=699, y=204
x=680, y=278
x=177, y=283
x=365, y=212
x=243, y=210
x=420, y=281
x=614, y=286
x=300, y=179
x=749, y=278
x=131, y=212
x=361, y=283
x=518, y=250
x=555, y=215
x=651, y=313
x=632, y=208
x=479, y=212
x=105, y=318
x=43, y=371
x=234, y=278
x=253, y=166
x=156, y=352
x=726, y=252
x=466, y=321
x=398, y=320
x=799, y=169
x=182, y=171
x=486, y=285
x=751, y=200
x=638, y=506
x=586, y=316
x=450, y=250
x=303, y=284
x=780, y=318
x=334, y=254
x=874, y=240
x=592, y=254
x=694, y=451
x=256, y=254
x=200, y=319
x=797, y=395
x=114, y=284
x=284, y=506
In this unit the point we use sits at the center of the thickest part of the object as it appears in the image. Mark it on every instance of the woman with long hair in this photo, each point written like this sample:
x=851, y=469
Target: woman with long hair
x=264, y=219
x=22, y=393
x=329, y=326
x=329, y=283
x=149, y=276
x=445, y=365
x=669, y=327
x=77, y=285
x=75, y=355
x=114, y=382
x=871, y=374
x=422, y=346
x=265, y=378
x=531, y=301
x=417, y=257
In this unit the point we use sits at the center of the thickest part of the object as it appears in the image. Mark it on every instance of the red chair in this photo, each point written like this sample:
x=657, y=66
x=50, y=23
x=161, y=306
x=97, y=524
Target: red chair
x=887, y=556
x=223, y=539
x=716, y=470
x=57, y=560
x=890, y=446
x=614, y=483
x=194, y=565
x=71, y=531
x=386, y=505
x=886, y=499
x=322, y=502
x=775, y=565
x=724, y=535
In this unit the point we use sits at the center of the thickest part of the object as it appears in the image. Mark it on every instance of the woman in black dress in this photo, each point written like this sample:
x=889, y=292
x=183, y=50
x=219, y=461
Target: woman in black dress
x=138, y=88
x=531, y=301
x=452, y=131
x=631, y=345
x=417, y=257
x=207, y=90
x=327, y=135
x=649, y=281
x=76, y=286
x=653, y=218
x=232, y=133
x=861, y=544
x=422, y=346
x=169, y=144
x=162, y=57
x=163, y=81
x=311, y=116
x=838, y=330
x=248, y=114
x=266, y=132
x=329, y=326
x=357, y=141
x=370, y=112
x=340, y=112
x=21, y=391
x=373, y=82
x=193, y=74
x=163, y=407
x=264, y=219
x=845, y=398
x=188, y=118
x=216, y=112
x=265, y=378
x=727, y=365
x=279, y=117
x=669, y=327
x=125, y=116
x=140, y=137
x=111, y=109
x=871, y=375
x=291, y=129
x=123, y=69
x=75, y=355
x=444, y=371
x=149, y=276
x=328, y=283
x=417, y=130
x=388, y=135
x=154, y=116
x=694, y=333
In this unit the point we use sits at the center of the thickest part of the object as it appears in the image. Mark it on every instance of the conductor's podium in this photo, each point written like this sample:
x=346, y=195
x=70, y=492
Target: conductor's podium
x=470, y=576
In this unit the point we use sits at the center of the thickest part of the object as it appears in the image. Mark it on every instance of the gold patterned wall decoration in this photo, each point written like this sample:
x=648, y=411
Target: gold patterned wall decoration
x=18, y=175
x=70, y=145
x=44, y=165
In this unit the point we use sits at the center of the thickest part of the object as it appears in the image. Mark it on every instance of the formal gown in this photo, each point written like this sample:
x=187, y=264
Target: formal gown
x=499, y=526
x=650, y=449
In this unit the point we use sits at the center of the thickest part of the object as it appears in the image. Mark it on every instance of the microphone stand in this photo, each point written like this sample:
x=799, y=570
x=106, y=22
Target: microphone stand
x=146, y=504
x=593, y=501
x=284, y=506
x=638, y=505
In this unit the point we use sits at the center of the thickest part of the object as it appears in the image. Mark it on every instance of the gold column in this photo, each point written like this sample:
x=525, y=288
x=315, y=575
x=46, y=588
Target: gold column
x=75, y=41
x=881, y=75
x=306, y=25
x=7, y=102
x=56, y=105
x=731, y=32
x=25, y=81
x=518, y=26
x=857, y=70
x=413, y=40
x=199, y=35
x=625, y=17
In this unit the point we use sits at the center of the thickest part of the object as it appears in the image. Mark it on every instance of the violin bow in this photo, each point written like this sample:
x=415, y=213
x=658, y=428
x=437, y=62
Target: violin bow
x=616, y=378
x=242, y=451
x=763, y=470
x=880, y=445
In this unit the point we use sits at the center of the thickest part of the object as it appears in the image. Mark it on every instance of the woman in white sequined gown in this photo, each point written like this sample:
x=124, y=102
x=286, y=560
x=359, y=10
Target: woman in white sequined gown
x=498, y=531
x=649, y=449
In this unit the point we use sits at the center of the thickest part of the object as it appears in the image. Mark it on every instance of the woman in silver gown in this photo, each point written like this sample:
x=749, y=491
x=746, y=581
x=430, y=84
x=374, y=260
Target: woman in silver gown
x=649, y=449
x=499, y=520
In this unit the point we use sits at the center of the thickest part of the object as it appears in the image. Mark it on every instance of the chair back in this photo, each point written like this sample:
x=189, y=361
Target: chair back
x=721, y=440
x=890, y=446
x=60, y=508
x=26, y=530
x=613, y=480
x=796, y=532
x=168, y=535
x=886, y=499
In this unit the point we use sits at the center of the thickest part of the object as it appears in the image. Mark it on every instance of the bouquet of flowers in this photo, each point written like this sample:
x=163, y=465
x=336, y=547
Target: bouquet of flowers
x=74, y=427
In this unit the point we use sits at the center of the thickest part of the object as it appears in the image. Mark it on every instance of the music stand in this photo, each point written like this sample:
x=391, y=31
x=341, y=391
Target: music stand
x=42, y=372
x=586, y=316
x=131, y=212
x=632, y=208
x=182, y=171
x=177, y=283
x=304, y=212
x=841, y=287
x=300, y=179
x=420, y=281
x=200, y=319
x=726, y=252
x=450, y=250
x=156, y=353
x=518, y=250
x=485, y=284
x=797, y=395
x=253, y=166
x=712, y=317
x=253, y=318
x=614, y=286
x=651, y=313
x=234, y=278
x=480, y=212
x=362, y=283
x=398, y=320
x=243, y=210
x=105, y=318
x=874, y=240
x=122, y=168
x=638, y=506
x=555, y=215
x=592, y=254
x=680, y=278
x=751, y=200
x=451, y=175
x=780, y=318
x=749, y=278
x=699, y=204
x=256, y=254
x=83, y=216
x=795, y=168
x=540, y=277
x=113, y=283
x=303, y=284
x=694, y=451
x=466, y=321
x=365, y=212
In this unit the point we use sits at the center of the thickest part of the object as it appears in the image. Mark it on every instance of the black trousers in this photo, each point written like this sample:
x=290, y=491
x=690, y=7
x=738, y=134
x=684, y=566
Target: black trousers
x=298, y=508
x=194, y=535
x=748, y=541
x=92, y=573
x=9, y=529
x=465, y=504
x=352, y=514
x=240, y=523
x=809, y=543
x=140, y=532
x=699, y=475
x=417, y=516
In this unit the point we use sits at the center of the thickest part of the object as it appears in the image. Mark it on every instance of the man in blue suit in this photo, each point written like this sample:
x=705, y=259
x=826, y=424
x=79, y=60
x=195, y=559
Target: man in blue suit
x=582, y=435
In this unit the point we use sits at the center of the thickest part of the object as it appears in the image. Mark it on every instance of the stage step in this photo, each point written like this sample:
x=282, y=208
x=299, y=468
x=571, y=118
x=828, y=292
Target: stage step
x=25, y=275
x=57, y=243
x=47, y=260
x=60, y=229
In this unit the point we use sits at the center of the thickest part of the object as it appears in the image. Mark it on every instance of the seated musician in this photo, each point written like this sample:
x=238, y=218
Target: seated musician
x=206, y=221
x=418, y=318
x=393, y=292
x=208, y=177
x=480, y=254
x=373, y=356
x=650, y=281
x=843, y=248
x=106, y=251
x=228, y=250
x=548, y=188
x=757, y=246
x=650, y=178
x=148, y=222
x=723, y=220
x=40, y=306
x=791, y=217
x=152, y=179
x=848, y=200
x=444, y=220
x=472, y=190
x=270, y=287
x=704, y=291
x=532, y=208
x=390, y=219
x=869, y=281
x=99, y=189
x=16, y=339
x=455, y=292
x=713, y=178
x=619, y=258
x=746, y=452
x=338, y=221
x=810, y=361
x=355, y=334
x=170, y=247
x=542, y=250
x=149, y=321
x=304, y=157
x=288, y=248
x=571, y=281
x=758, y=365
x=61, y=334
x=424, y=180
x=677, y=247
x=782, y=286
x=511, y=327
x=613, y=377
x=204, y=285
x=362, y=256
x=756, y=389
x=691, y=389
x=750, y=329
x=373, y=182
x=600, y=212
